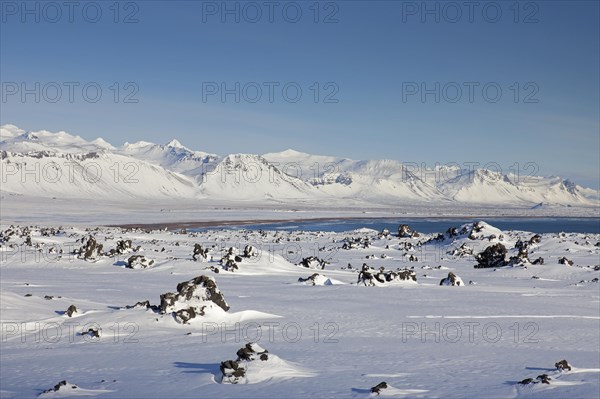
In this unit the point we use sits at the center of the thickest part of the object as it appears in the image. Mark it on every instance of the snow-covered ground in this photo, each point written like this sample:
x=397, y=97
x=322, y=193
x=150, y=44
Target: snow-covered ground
x=60, y=166
x=333, y=338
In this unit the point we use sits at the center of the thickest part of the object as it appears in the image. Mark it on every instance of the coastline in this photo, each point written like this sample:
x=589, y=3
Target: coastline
x=245, y=222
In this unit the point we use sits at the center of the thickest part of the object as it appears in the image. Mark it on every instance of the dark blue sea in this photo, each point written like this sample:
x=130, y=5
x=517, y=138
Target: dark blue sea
x=424, y=225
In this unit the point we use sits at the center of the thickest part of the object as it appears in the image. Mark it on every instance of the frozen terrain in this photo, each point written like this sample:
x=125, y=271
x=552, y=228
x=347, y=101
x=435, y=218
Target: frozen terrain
x=320, y=324
x=59, y=167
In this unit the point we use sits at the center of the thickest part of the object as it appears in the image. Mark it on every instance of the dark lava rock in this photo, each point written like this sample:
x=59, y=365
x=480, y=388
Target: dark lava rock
x=139, y=262
x=377, y=388
x=59, y=387
x=563, y=365
x=492, y=256
x=90, y=250
x=71, y=310
x=199, y=253
x=312, y=262
x=452, y=280
x=197, y=294
x=565, y=261
x=372, y=277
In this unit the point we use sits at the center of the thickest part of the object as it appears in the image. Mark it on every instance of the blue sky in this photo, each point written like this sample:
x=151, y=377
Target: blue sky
x=367, y=57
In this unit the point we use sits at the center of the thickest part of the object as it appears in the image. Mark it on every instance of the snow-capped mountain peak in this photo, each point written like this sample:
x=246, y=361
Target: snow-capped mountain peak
x=175, y=170
x=176, y=144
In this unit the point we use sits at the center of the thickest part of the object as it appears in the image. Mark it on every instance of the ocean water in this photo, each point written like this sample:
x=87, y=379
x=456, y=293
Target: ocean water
x=424, y=225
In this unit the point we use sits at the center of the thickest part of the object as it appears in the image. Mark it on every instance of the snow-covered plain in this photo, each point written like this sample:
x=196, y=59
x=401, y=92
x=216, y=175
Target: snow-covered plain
x=477, y=339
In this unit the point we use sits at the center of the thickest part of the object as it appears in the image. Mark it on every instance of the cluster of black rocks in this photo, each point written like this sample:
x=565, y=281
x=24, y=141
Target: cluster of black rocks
x=234, y=371
x=562, y=365
x=404, y=231
x=230, y=260
x=372, y=277
x=91, y=250
x=192, y=298
x=61, y=386
x=313, y=262
x=495, y=255
x=356, y=243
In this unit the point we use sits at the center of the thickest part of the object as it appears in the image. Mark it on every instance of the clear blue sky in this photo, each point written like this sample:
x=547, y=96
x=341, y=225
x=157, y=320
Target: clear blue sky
x=373, y=54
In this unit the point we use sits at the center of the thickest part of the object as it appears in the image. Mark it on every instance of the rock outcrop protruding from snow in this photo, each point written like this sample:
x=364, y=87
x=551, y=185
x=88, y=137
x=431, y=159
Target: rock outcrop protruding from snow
x=140, y=305
x=404, y=231
x=452, y=280
x=62, y=387
x=462, y=251
x=199, y=253
x=312, y=262
x=563, y=365
x=123, y=247
x=564, y=261
x=234, y=371
x=93, y=332
x=492, y=256
x=250, y=251
x=356, y=243
x=90, y=250
x=139, y=262
x=538, y=261
x=230, y=260
x=379, y=387
x=71, y=311
x=317, y=279
x=522, y=257
x=378, y=277
x=193, y=298
x=542, y=378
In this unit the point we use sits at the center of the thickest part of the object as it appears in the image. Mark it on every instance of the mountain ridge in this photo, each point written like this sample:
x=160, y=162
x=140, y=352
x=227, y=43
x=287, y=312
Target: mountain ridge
x=174, y=170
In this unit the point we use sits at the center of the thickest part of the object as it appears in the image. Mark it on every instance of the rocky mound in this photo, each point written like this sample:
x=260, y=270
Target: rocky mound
x=562, y=365
x=192, y=299
x=199, y=253
x=123, y=247
x=379, y=387
x=64, y=387
x=234, y=371
x=492, y=256
x=71, y=310
x=255, y=364
x=404, y=231
x=452, y=280
x=139, y=262
x=230, y=260
x=356, y=243
x=90, y=250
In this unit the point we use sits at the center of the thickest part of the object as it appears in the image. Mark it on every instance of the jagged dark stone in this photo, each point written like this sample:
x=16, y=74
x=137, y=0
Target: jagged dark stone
x=565, y=261
x=199, y=252
x=71, y=310
x=563, y=365
x=377, y=388
x=139, y=262
x=492, y=256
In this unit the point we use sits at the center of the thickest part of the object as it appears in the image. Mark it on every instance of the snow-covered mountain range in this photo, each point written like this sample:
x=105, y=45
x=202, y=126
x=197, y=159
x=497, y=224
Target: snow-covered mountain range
x=62, y=165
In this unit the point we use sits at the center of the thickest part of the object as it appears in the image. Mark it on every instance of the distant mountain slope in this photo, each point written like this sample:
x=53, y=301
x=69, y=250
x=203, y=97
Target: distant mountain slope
x=31, y=162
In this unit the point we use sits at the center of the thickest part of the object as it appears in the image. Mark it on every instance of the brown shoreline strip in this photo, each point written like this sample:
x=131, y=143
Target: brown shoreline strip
x=217, y=223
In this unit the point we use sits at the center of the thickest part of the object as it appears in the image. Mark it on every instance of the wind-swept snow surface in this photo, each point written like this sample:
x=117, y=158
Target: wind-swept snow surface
x=77, y=321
